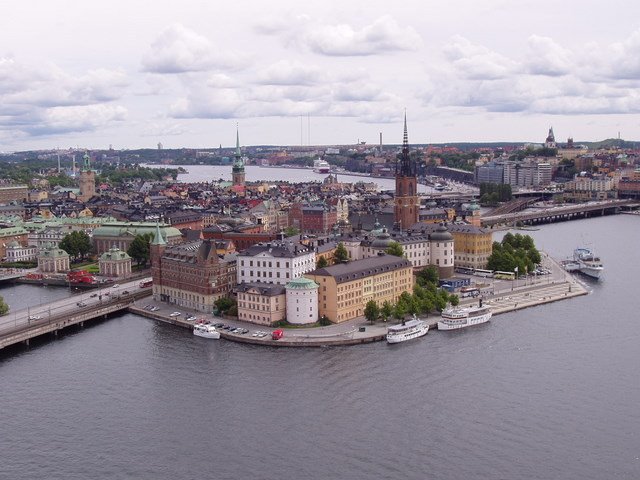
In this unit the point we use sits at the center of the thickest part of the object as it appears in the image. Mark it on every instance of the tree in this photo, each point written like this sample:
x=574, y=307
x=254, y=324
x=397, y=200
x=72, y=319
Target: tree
x=387, y=310
x=341, y=255
x=395, y=249
x=291, y=231
x=322, y=262
x=454, y=300
x=225, y=304
x=428, y=275
x=371, y=311
x=76, y=244
x=139, y=248
x=4, y=308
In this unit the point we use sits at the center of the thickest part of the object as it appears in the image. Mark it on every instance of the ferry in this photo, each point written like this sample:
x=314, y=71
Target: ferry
x=588, y=263
x=413, y=328
x=321, y=166
x=205, y=331
x=453, y=318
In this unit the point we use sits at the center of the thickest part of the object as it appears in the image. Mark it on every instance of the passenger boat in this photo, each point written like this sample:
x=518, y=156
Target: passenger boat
x=413, y=328
x=453, y=318
x=205, y=331
x=321, y=166
x=588, y=262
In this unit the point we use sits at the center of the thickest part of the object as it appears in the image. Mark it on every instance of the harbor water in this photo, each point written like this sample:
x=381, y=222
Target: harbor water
x=550, y=392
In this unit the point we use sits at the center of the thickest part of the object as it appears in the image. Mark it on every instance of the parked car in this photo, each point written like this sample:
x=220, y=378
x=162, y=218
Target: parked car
x=175, y=314
x=93, y=295
x=115, y=285
x=81, y=304
x=191, y=318
x=34, y=317
x=155, y=309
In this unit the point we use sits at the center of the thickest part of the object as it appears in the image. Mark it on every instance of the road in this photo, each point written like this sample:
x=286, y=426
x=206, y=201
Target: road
x=44, y=313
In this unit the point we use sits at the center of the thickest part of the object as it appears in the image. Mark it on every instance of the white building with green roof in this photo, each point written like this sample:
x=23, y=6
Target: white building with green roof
x=121, y=234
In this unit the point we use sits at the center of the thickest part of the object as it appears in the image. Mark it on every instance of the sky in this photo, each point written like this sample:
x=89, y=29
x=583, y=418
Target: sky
x=132, y=74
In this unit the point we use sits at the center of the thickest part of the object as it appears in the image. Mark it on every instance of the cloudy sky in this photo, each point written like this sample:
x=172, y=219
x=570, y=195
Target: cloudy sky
x=134, y=73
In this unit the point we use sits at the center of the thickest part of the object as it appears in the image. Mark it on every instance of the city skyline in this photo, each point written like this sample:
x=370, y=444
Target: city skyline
x=133, y=75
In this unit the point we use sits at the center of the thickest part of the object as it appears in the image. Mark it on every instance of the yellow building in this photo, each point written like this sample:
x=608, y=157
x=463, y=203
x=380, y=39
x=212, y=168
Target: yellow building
x=346, y=288
x=472, y=245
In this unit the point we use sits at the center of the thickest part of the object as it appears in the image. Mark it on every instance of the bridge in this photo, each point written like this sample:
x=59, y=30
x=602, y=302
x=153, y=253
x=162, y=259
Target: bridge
x=10, y=274
x=23, y=325
x=558, y=214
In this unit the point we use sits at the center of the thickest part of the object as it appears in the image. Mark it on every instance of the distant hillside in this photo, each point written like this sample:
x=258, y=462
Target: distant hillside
x=610, y=143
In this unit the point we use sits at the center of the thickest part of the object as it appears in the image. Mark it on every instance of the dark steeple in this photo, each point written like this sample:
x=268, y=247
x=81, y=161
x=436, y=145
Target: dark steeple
x=407, y=167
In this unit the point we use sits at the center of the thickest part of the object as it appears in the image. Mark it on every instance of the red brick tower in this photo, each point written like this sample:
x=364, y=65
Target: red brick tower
x=407, y=202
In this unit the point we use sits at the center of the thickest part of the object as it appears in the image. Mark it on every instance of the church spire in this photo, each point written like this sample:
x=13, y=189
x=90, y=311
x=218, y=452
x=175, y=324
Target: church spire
x=238, y=153
x=407, y=167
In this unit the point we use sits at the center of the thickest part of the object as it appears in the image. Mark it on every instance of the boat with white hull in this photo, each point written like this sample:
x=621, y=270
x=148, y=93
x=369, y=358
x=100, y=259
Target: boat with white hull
x=453, y=318
x=588, y=263
x=408, y=330
x=205, y=331
x=321, y=166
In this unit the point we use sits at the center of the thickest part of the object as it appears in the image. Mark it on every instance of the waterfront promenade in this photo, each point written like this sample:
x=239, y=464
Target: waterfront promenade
x=501, y=295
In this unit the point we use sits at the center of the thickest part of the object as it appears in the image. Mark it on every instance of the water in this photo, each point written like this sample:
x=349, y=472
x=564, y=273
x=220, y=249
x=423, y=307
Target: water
x=208, y=173
x=547, y=392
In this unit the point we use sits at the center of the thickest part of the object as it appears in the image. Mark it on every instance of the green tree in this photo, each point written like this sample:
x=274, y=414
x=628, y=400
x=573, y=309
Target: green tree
x=387, y=310
x=428, y=275
x=341, y=255
x=454, y=300
x=291, y=231
x=139, y=248
x=322, y=262
x=76, y=244
x=225, y=304
x=395, y=249
x=4, y=308
x=371, y=311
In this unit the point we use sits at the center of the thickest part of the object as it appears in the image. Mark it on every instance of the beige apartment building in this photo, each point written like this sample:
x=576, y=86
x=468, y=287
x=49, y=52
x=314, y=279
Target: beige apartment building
x=346, y=288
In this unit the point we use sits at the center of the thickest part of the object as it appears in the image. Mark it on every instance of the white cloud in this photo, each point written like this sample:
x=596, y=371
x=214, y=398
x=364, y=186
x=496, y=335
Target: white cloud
x=83, y=118
x=476, y=61
x=546, y=57
x=285, y=72
x=178, y=49
x=383, y=36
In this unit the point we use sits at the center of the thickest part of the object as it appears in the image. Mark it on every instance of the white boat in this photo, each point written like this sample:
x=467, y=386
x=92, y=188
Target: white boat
x=588, y=262
x=413, y=328
x=205, y=331
x=321, y=166
x=453, y=318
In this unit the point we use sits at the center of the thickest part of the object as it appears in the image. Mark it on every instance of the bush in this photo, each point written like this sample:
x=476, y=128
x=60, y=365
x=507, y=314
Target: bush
x=324, y=321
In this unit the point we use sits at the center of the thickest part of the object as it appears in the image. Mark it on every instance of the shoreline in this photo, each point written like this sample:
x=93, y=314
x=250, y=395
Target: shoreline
x=359, y=331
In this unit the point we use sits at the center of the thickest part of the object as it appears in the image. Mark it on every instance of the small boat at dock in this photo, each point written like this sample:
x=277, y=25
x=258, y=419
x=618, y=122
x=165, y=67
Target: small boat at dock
x=408, y=330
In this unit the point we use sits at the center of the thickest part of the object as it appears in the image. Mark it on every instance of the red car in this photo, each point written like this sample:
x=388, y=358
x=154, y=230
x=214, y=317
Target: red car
x=277, y=334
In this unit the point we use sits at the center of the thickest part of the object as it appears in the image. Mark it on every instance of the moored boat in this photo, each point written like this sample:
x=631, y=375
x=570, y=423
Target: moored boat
x=321, y=166
x=588, y=262
x=205, y=331
x=453, y=318
x=408, y=330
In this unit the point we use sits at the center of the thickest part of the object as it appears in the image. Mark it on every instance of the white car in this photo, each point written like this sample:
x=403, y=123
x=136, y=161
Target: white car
x=34, y=317
x=115, y=285
x=154, y=309
x=191, y=318
x=175, y=314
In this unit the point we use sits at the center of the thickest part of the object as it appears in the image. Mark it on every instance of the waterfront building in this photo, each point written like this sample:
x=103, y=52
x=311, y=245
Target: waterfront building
x=406, y=201
x=87, y=180
x=190, y=274
x=629, y=185
x=590, y=187
x=15, y=252
x=121, y=234
x=472, y=245
x=10, y=234
x=52, y=259
x=345, y=288
x=261, y=303
x=302, y=301
x=275, y=262
x=115, y=263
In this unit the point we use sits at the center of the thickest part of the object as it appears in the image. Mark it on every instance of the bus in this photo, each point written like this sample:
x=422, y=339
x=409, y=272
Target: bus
x=504, y=275
x=147, y=282
x=483, y=273
x=469, y=292
x=465, y=270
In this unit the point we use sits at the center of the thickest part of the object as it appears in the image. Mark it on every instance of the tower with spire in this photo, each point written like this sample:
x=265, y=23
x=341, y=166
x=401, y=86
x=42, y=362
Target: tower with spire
x=406, y=202
x=157, y=247
x=237, y=171
x=87, y=180
x=551, y=139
